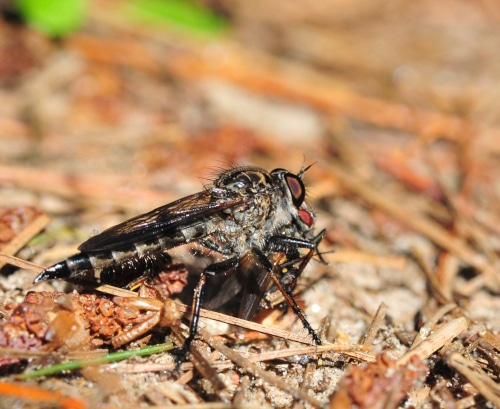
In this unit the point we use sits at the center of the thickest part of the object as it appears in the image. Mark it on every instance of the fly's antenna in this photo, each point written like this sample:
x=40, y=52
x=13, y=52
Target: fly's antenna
x=305, y=169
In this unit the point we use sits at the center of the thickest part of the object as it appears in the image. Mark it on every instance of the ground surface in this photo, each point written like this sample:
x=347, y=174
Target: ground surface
x=395, y=103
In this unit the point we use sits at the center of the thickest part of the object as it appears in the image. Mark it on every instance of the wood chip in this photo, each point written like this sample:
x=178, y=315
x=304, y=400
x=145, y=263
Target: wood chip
x=435, y=341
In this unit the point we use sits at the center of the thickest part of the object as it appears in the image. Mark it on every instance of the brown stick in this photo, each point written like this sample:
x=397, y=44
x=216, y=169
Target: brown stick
x=19, y=241
x=428, y=228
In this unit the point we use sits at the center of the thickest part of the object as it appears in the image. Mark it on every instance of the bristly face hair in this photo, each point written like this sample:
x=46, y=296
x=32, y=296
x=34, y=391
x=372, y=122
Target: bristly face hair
x=257, y=222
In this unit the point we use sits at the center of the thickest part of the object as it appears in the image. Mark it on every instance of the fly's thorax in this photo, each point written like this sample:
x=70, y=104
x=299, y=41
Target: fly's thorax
x=243, y=182
x=245, y=226
x=255, y=188
x=254, y=213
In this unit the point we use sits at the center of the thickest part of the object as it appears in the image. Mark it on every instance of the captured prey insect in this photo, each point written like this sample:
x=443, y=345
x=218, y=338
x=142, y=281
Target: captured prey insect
x=255, y=222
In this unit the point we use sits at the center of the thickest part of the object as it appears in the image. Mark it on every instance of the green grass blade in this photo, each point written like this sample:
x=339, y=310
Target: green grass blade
x=112, y=357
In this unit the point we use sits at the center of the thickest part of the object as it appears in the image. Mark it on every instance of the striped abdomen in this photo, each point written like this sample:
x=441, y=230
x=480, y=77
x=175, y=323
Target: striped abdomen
x=116, y=267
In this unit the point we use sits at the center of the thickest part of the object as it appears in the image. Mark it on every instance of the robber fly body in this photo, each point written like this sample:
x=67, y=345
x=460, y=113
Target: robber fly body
x=255, y=221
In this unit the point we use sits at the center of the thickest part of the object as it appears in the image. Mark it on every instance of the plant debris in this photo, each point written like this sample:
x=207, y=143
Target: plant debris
x=48, y=321
x=395, y=104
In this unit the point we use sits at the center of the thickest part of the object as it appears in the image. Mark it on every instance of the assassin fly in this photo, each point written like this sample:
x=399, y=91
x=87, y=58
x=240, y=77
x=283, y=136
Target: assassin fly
x=256, y=222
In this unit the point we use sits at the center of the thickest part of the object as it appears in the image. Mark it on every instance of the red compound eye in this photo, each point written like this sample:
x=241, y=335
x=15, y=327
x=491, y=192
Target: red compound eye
x=306, y=217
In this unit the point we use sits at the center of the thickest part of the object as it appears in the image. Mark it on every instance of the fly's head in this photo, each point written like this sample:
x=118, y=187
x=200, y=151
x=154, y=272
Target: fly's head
x=292, y=204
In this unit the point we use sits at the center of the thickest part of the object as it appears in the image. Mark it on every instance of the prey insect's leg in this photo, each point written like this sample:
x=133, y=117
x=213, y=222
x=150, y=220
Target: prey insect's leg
x=211, y=270
x=286, y=291
x=151, y=305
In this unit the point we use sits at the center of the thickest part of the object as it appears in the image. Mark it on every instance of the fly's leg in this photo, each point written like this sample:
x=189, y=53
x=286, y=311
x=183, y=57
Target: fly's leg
x=287, y=290
x=199, y=291
x=290, y=276
x=285, y=244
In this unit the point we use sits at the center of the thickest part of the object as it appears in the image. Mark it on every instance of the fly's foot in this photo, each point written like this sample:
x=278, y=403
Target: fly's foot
x=316, y=339
x=180, y=356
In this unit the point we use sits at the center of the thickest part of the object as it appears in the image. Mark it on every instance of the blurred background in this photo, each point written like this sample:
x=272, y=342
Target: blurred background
x=102, y=102
x=153, y=94
x=111, y=108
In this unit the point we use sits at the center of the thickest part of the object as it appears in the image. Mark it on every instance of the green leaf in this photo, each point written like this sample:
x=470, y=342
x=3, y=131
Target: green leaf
x=183, y=14
x=55, y=18
x=112, y=357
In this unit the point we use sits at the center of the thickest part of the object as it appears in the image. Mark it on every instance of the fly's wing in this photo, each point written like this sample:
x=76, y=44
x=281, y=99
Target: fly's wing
x=257, y=283
x=250, y=279
x=223, y=288
x=165, y=221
